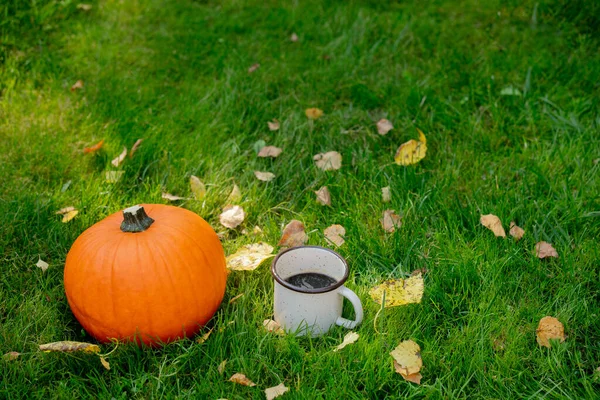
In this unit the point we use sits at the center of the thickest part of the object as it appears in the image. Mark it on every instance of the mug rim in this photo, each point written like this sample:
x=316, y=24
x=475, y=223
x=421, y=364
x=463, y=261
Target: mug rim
x=303, y=290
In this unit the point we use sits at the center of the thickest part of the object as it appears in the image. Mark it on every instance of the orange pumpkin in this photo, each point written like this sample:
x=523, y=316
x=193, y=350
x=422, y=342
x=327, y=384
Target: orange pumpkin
x=152, y=277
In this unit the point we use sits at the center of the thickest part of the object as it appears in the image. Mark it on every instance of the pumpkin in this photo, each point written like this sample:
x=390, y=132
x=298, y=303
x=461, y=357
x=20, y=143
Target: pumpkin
x=153, y=274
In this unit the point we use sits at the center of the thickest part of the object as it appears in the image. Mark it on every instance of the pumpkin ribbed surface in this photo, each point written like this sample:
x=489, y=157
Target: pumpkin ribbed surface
x=157, y=285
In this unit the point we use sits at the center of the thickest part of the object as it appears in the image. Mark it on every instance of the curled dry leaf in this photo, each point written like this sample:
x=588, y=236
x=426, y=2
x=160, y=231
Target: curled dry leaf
x=313, y=113
x=264, y=176
x=294, y=37
x=384, y=126
x=68, y=213
x=113, y=176
x=232, y=216
x=221, y=367
x=334, y=234
x=273, y=125
x=275, y=391
x=293, y=234
x=94, y=148
x=11, y=355
x=269, y=151
x=253, y=68
x=249, y=257
x=69, y=346
x=235, y=195
x=323, y=196
x=273, y=327
x=545, y=249
x=390, y=221
x=43, y=265
x=386, y=194
x=198, y=188
x=77, y=85
x=407, y=356
x=493, y=223
x=119, y=159
x=170, y=197
x=414, y=378
x=332, y=160
x=204, y=337
x=549, y=328
x=136, y=145
x=233, y=299
x=350, y=338
x=516, y=231
x=399, y=292
x=105, y=363
x=412, y=151
x=241, y=379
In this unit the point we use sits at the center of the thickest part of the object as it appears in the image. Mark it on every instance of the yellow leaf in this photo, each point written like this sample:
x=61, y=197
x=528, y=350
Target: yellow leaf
x=198, y=188
x=493, y=223
x=399, y=292
x=350, y=338
x=235, y=195
x=408, y=356
x=241, y=379
x=249, y=257
x=549, y=328
x=105, y=363
x=221, y=367
x=69, y=346
x=313, y=113
x=69, y=216
x=275, y=391
x=412, y=151
x=204, y=337
x=414, y=378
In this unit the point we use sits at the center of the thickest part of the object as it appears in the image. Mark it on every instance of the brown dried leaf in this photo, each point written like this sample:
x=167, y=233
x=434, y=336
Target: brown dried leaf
x=104, y=363
x=269, y=151
x=117, y=161
x=386, y=194
x=221, y=367
x=273, y=327
x=241, y=379
x=198, y=188
x=332, y=160
x=43, y=265
x=275, y=391
x=390, y=221
x=253, y=68
x=545, y=249
x=77, y=85
x=249, y=257
x=313, y=113
x=94, y=148
x=232, y=216
x=273, y=125
x=334, y=233
x=69, y=346
x=323, y=196
x=293, y=235
x=204, y=337
x=384, y=126
x=516, y=231
x=549, y=328
x=233, y=299
x=136, y=145
x=350, y=338
x=494, y=224
x=264, y=176
x=11, y=355
x=170, y=197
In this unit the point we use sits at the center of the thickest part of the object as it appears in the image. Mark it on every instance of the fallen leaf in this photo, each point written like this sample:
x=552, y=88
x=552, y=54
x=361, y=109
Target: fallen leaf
x=65, y=210
x=269, y=151
x=136, y=145
x=253, y=68
x=94, y=148
x=232, y=216
x=414, y=378
x=104, y=363
x=273, y=125
x=350, y=338
x=256, y=230
x=549, y=328
x=170, y=197
x=198, y=188
x=258, y=145
x=117, y=161
x=235, y=195
x=113, y=176
x=510, y=91
x=69, y=216
x=386, y=194
x=84, y=7
x=493, y=223
x=233, y=299
x=11, y=355
x=241, y=379
x=544, y=249
x=294, y=37
x=331, y=160
x=221, y=367
x=275, y=391
x=323, y=196
x=204, y=337
x=43, y=265
x=384, y=126
x=69, y=346
x=516, y=231
x=334, y=234
x=390, y=221
x=264, y=176
x=273, y=327
x=249, y=257
x=66, y=186
x=293, y=234
x=408, y=359
x=412, y=151
x=77, y=85
x=313, y=113
x=399, y=292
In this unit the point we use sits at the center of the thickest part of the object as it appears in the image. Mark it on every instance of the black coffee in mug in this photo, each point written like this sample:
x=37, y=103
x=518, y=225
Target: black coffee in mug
x=311, y=280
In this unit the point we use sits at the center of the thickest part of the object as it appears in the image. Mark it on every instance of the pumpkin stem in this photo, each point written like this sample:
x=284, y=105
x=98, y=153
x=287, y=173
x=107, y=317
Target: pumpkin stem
x=135, y=219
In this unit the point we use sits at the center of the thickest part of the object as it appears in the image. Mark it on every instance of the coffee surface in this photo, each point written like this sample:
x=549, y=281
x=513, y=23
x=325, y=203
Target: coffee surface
x=311, y=280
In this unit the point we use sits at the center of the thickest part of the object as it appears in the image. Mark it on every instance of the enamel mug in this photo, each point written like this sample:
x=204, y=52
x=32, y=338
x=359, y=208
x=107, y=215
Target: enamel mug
x=306, y=310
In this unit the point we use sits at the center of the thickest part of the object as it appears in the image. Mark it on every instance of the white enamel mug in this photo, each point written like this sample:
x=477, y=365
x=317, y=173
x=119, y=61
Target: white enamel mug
x=304, y=311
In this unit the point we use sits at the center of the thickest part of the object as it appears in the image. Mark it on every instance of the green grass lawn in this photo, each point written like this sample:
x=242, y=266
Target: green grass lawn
x=175, y=73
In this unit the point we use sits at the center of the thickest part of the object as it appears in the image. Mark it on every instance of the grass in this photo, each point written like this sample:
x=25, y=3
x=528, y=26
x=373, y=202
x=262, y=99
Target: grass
x=175, y=74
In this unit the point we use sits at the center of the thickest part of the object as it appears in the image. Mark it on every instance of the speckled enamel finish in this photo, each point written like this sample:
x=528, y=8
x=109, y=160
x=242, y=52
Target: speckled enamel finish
x=312, y=312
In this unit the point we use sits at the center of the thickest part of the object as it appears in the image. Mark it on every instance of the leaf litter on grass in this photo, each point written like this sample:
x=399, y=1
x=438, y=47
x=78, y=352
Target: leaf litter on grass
x=549, y=328
x=335, y=234
x=544, y=250
x=493, y=223
x=198, y=187
x=412, y=151
x=329, y=161
x=293, y=235
x=399, y=292
x=275, y=391
x=232, y=216
x=351, y=337
x=323, y=196
x=249, y=257
x=241, y=379
x=390, y=221
x=407, y=361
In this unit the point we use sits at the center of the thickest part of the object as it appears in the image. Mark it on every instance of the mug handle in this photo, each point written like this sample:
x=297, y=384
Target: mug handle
x=358, y=310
